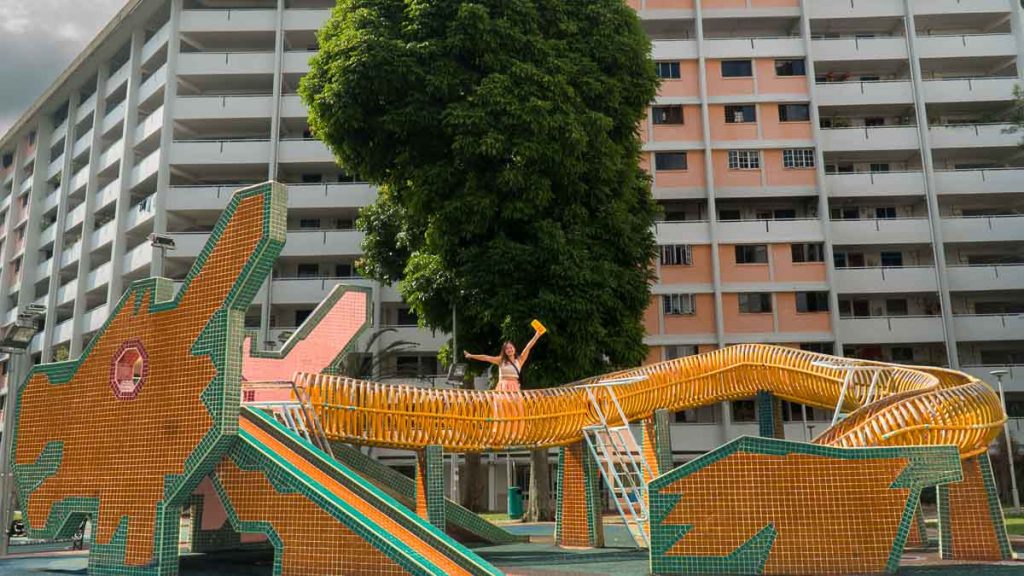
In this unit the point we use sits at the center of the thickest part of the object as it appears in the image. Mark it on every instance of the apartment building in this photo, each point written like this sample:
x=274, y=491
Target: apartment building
x=837, y=176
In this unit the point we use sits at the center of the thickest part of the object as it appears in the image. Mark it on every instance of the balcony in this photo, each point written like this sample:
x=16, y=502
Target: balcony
x=150, y=126
x=890, y=330
x=43, y=269
x=745, y=232
x=869, y=138
x=82, y=144
x=308, y=19
x=204, y=152
x=225, y=63
x=858, y=9
x=55, y=167
x=966, y=46
x=100, y=276
x=305, y=150
x=674, y=49
x=754, y=47
x=66, y=293
x=1012, y=382
x=988, y=327
x=95, y=318
x=973, y=136
x=103, y=235
x=71, y=254
x=62, y=332
x=984, y=278
x=146, y=168
x=118, y=78
x=134, y=260
x=987, y=181
x=300, y=291
x=424, y=340
x=883, y=231
x=955, y=7
x=864, y=93
x=224, y=107
x=297, y=62
x=153, y=84
x=983, y=229
x=155, y=43
x=86, y=107
x=48, y=236
x=969, y=90
x=331, y=195
x=695, y=232
x=879, y=184
x=107, y=195
x=244, y=20
x=852, y=49
x=112, y=119
x=299, y=243
x=323, y=242
x=885, y=280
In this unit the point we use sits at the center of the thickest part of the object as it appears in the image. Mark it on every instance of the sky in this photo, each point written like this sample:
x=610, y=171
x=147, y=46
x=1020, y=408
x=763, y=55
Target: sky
x=38, y=39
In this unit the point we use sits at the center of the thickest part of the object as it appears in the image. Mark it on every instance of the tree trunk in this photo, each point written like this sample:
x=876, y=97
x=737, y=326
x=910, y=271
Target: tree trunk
x=539, y=505
x=474, y=497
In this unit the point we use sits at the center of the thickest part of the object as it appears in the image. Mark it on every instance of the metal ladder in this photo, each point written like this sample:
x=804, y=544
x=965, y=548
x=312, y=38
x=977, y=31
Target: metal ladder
x=621, y=461
x=300, y=417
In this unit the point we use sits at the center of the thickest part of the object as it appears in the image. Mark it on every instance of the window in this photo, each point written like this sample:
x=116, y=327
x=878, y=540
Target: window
x=301, y=315
x=755, y=303
x=667, y=114
x=728, y=214
x=743, y=411
x=794, y=113
x=798, y=158
x=744, y=159
x=312, y=178
x=673, y=352
x=670, y=161
x=808, y=253
x=740, y=113
x=702, y=415
x=676, y=255
x=406, y=317
x=784, y=214
x=896, y=307
x=679, y=304
x=901, y=354
x=879, y=167
x=874, y=121
x=812, y=301
x=819, y=347
x=309, y=223
x=668, y=70
x=407, y=365
x=790, y=68
x=846, y=213
x=342, y=270
x=885, y=213
x=892, y=259
x=737, y=69
x=752, y=254
x=308, y=270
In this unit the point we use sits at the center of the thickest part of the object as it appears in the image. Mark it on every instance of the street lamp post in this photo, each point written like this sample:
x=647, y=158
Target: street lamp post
x=14, y=340
x=163, y=243
x=1009, y=444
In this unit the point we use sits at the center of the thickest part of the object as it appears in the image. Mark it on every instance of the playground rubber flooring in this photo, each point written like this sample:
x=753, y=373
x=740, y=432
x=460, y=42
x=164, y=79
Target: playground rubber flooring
x=538, y=558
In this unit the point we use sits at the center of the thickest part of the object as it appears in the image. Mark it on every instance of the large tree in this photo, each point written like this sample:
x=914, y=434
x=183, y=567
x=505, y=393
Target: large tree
x=502, y=136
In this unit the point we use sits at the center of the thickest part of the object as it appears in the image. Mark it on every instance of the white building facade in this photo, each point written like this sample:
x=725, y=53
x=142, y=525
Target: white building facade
x=834, y=175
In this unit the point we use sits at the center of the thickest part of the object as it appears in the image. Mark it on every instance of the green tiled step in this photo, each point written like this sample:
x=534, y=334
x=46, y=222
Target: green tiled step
x=368, y=493
x=460, y=520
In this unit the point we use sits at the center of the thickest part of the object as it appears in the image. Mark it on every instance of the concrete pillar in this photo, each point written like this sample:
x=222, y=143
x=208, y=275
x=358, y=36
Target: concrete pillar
x=657, y=442
x=119, y=245
x=89, y=219
x=163, y=175
x=578, y=522
x=430, y=485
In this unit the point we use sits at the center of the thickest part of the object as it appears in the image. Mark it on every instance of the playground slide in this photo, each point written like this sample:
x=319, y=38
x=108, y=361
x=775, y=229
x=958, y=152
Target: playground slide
x=886, y=404
x=375, y=518
x=460, y=520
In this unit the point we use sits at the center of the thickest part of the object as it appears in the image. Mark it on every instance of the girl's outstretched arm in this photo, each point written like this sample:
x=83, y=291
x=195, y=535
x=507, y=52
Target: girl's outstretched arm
x=529, y=346
x=482, y=357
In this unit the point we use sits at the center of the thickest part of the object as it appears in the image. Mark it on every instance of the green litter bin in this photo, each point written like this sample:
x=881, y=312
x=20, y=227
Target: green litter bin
x=515, y=503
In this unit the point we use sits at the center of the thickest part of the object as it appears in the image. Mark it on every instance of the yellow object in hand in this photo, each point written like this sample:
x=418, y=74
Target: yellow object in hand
x=538, y=327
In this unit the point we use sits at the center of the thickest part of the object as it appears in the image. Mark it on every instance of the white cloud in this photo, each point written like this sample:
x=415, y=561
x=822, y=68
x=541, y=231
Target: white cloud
x=38, y=39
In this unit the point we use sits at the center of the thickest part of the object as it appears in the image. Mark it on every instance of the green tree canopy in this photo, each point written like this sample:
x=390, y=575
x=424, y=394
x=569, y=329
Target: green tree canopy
x=502, y=135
